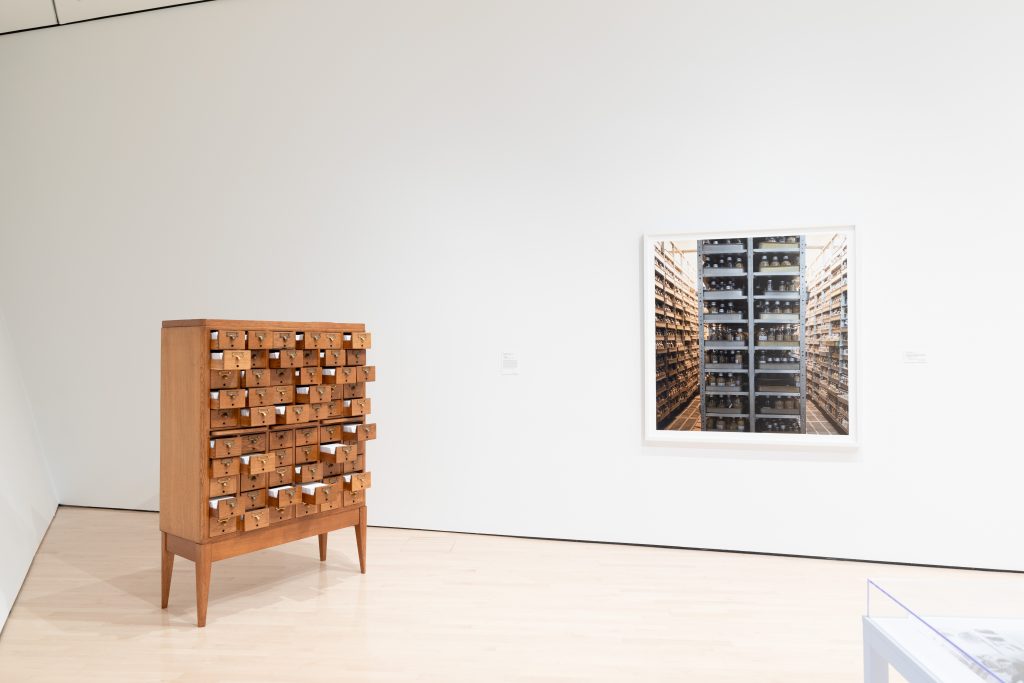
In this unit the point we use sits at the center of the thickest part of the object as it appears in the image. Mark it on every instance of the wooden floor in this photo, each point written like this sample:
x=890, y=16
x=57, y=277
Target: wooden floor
x=432, y=607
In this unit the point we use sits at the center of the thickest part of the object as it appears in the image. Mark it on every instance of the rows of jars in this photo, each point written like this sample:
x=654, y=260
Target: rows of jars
x=778, y=333
x=725, y=333
x=779, y=359
x=777, y=308
x=730, y=403
x=778, y=403
x=790, y=426
x=724, y=308
x=724, y=261
x=777, y=261
x=724, y=358
x=723, y=380
x=727, y=424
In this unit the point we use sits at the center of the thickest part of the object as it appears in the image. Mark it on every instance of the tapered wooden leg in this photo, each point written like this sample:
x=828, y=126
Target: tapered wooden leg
x=361, y=539
x=323, y=547
x=203, y=566
x=166, y=567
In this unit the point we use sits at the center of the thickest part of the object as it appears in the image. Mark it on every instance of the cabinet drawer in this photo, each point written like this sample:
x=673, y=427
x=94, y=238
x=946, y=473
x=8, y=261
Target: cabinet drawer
x=356, y=465
x=227, y=398
x=292, y=414
x=257, y=417
x=320, y=411
x=256, y=519
x=252, y=482
x=330, y=433
x=338, y=453
x=333, y=504
x=305, y=436
x=280, y=475
x=305, y=474
x=311, y=357
x=342, y=391
x=227, y=339
x=355, y=357
x=260, y=396
x=282, y=497
x=306, y=375
x=359, y=432
x=354, y=407
x=223, y=486
x=366, y=373
x=330, y=358
x=355, y=340
x=220, y=527
x=280, y=438
x=257, y=498
x=284, y=393
x=226, y=446
x=282, y=340
x=259, y=377
x=260, y=358
x=281, y=514
x=335, y=410
x=286, y=358
x=223, y=467
x=350, y=498
x=219, y=419
x=225, y=379
x=281, y=376
x=223, y=507
x=256, y=464
x=258, y=339
x=283, y=456
x=331, y=472
x=253, y=442
x=306, y=454
x=316, y=393
x=301, y=510
x=357, y=481
x=318, y=493
x=230, y=360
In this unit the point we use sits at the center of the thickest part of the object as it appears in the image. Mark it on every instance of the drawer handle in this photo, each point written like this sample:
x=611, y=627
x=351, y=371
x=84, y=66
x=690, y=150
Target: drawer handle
x=254, y=439
x=223, y=522
x=362, y=338
x=332, y=337
x=327, y=490
x=260, y=337
x=231, y=335
x=258, y=374
x=238, y=357
x=223, y=483
x=320, y=390
x=292, y=354
x=263, y=413
x=261, y=393
x=282, y=392
x=298, y=410
x=312, y=469
x=316, y=336
x=252, y=497
x=225, y=375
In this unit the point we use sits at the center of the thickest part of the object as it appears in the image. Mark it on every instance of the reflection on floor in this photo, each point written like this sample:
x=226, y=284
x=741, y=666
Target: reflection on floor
x=689, y=419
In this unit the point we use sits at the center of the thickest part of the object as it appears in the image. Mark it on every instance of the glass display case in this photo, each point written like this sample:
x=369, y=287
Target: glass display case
x=953, y=631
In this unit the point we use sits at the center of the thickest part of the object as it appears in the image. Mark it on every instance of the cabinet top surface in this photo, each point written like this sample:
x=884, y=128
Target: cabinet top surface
x=265, y=324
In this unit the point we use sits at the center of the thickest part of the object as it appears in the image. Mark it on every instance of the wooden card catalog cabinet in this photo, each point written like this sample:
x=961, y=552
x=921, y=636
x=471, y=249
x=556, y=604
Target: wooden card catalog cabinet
x=263, y=429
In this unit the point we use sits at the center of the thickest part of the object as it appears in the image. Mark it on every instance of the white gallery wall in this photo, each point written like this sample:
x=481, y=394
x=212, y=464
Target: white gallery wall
x=474, y=177
x=27, y=496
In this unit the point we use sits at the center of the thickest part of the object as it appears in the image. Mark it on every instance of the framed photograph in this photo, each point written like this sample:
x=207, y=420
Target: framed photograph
x=749, y=337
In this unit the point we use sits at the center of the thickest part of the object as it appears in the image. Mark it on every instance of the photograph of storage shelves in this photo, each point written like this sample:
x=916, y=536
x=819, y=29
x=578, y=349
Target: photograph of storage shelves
x=751, y=334
x=675, y=297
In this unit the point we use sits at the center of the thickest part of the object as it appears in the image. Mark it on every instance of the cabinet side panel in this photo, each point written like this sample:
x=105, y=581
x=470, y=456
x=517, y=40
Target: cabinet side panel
x=183, y=421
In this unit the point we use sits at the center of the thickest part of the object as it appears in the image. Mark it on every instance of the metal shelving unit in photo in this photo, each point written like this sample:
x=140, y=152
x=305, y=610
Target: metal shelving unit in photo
x=752, y=307
x=779, y=285
x=724, y=310
x=675, y=310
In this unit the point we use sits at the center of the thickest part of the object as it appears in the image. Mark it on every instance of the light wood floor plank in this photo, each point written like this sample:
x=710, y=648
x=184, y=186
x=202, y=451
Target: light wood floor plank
x=433, y=607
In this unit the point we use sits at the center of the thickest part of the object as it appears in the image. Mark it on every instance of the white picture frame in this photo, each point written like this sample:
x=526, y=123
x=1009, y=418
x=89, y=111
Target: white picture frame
x=652, y=435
